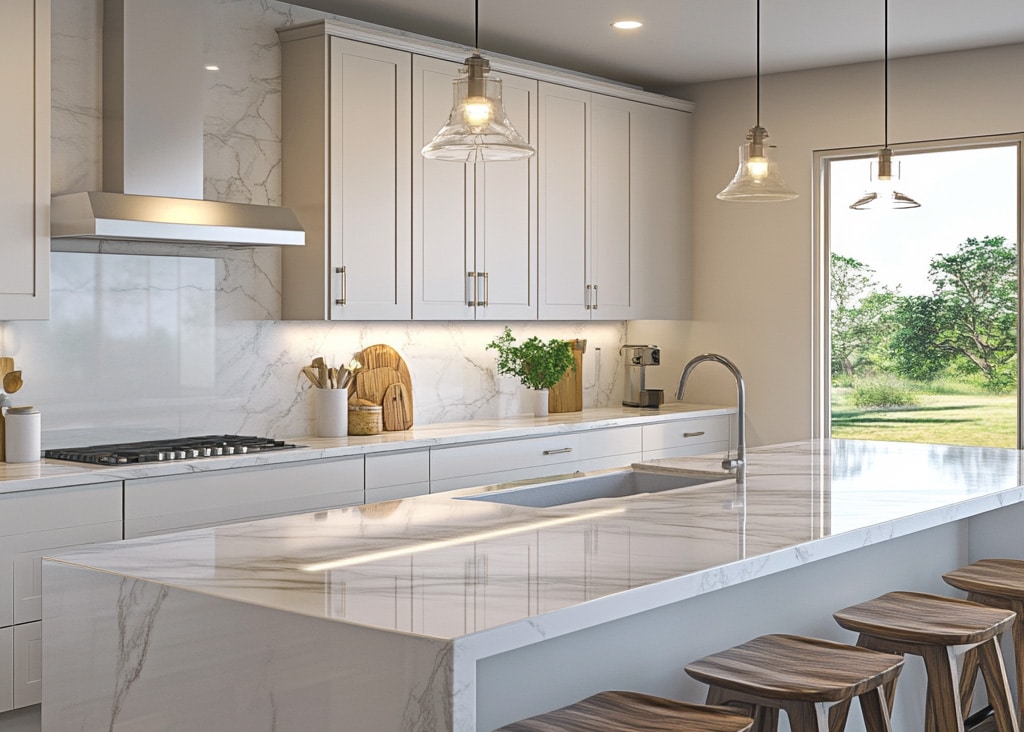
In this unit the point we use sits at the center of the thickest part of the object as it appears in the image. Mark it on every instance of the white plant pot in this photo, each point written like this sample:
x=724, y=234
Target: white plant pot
x=540, y=402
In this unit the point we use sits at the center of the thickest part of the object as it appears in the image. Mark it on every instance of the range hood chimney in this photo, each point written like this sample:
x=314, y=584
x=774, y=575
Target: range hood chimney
x=153, y=141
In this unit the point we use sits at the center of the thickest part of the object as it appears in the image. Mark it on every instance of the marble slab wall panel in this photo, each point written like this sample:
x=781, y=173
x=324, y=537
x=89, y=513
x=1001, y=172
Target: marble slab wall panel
x=186, y=341
x=118, y=655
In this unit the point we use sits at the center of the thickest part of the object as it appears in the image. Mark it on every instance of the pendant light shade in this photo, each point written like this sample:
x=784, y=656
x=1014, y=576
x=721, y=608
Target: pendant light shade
x=477, y=130
x=884, y=194
x=757, y=178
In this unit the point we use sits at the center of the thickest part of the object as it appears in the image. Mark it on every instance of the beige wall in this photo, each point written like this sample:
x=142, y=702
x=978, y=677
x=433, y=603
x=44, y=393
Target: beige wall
x=753, y=263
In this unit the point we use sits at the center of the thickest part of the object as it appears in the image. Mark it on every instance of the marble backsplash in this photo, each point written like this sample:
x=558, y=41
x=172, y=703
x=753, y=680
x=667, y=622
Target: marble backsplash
x=188, y=341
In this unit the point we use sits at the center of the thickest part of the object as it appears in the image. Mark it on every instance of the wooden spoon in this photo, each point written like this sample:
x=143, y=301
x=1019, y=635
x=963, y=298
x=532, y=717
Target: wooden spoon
x=12, y=381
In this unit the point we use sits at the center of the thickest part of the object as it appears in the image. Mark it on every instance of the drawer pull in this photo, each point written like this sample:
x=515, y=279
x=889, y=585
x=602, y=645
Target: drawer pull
x=559, y=451
x=693, y=434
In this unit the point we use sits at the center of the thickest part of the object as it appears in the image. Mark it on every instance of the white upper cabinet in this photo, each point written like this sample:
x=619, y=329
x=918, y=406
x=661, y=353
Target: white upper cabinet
x=474, y=226
x=614, y=201
x=346, y=119
x=25, y=161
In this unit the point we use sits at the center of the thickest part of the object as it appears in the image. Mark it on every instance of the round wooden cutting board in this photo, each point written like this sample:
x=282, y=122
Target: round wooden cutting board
x=385, y=381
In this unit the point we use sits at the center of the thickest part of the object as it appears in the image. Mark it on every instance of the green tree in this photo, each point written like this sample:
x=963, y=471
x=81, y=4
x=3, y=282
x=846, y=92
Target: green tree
x=860, y=315
x=969, y=320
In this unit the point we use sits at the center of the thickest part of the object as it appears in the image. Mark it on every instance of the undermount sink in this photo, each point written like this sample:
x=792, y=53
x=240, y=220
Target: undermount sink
x=615, y=484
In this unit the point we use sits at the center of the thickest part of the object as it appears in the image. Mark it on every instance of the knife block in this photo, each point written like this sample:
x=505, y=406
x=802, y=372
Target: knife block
x=567, y=394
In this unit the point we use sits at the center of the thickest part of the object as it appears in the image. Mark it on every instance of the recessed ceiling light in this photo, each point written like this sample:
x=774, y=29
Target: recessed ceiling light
x=212, y=67
x=627, y=24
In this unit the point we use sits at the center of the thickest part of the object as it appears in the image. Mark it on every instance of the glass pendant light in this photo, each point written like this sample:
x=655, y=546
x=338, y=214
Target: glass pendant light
x=884, y=195
x=757, y=178
x=477, y=130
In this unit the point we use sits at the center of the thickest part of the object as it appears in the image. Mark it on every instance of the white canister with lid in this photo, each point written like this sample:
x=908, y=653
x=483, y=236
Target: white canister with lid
x=22, y=435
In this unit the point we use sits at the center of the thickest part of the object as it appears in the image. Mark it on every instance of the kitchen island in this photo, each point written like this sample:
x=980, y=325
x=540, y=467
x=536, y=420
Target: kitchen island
x=438, y=613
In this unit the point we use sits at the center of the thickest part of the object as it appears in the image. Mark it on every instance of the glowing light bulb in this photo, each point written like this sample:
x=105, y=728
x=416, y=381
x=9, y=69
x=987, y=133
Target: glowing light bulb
x=757, y=167
x=477, y=111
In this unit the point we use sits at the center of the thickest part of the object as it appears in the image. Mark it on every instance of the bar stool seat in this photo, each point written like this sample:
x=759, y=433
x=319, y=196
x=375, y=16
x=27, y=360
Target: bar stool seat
x=998, y=583
x=940, y=630
x=630, y=711
x=811, y=680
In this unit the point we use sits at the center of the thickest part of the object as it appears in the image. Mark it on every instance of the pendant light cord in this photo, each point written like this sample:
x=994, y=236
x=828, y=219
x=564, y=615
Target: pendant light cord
x=476, y=25
x=758, y=46
x=885, y=25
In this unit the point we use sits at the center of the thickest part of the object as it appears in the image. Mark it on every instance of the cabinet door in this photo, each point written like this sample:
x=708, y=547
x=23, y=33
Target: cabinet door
x=24, y=159
x=442, y=225
x=611, y=254
x=370, y=194
x=563, y=205
x=28, y=664
x=506, y=217
x=6, y=669
x=660, y=212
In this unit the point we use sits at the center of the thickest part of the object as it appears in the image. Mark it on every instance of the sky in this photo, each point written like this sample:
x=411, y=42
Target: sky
x=963, y=193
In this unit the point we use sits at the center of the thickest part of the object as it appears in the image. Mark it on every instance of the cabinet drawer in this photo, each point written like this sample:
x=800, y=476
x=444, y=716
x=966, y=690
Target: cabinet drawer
x=685, y=432
x=394, y=475
x=28, y=664
x=610, y=448
x=56, y=508
x=155, y=505
x=501, y=461
x=696, y=448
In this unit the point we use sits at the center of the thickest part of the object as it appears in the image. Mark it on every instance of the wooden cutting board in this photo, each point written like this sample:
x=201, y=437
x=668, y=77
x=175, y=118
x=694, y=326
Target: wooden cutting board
x=567, y=394
x=383, y=368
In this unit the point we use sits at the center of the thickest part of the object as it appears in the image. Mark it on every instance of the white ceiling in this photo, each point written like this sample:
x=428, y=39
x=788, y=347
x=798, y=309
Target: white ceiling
x=689, y=41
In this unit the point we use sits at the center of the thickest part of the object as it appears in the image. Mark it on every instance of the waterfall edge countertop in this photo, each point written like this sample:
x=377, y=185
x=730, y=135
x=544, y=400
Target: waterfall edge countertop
x=801, y=502
x=49, y=473
x=441, y=614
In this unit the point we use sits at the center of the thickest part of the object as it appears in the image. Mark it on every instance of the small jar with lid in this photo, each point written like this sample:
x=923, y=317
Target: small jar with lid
x=21, y=438
x=365, y=420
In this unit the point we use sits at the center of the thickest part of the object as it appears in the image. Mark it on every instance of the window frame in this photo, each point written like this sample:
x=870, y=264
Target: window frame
x=821, y=380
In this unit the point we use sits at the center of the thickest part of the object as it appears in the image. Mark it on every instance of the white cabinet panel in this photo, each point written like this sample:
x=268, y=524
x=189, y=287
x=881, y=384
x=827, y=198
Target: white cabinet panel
x=474, y=226
x=24, y=159
x=610, y=448
x=694, y=436
x=6, y=669
x=611, y=260
x=346, y=117
x=28, y=664
x=502, y=461
x=33, y=522
x=394, y=475
x=157, y=505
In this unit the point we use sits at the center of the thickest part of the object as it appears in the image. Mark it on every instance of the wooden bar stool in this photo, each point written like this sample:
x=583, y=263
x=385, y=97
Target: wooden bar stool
x=997, y=583
x=812, y=680
x=630, y=711
x=940, y=630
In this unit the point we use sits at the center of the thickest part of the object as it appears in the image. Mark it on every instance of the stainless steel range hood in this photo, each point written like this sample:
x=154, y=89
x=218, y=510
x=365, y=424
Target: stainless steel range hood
x=153, y=141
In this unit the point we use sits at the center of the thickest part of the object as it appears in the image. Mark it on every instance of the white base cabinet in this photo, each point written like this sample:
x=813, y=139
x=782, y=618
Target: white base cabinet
x=391, y=475
x=159, y=505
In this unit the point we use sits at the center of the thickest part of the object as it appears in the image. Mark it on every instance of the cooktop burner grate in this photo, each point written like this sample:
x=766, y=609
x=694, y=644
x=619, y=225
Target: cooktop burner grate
x=181, y=448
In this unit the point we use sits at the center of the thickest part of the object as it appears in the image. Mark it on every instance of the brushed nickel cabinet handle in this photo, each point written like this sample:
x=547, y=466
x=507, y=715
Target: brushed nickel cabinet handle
x=487, y=289
x=586, y=298
x=472, y=283
x=692, y=434
x=595, y=297
x=559, y=451
x=343, y=300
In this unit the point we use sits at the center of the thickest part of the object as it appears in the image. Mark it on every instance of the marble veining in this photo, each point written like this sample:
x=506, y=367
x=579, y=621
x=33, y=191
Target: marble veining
x=443, y=567
x=137, y=608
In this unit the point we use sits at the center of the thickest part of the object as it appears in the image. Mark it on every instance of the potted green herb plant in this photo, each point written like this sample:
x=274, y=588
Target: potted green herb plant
x=539, y=365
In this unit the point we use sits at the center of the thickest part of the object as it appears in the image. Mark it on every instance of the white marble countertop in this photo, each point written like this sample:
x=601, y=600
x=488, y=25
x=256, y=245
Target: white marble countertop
x=501, y=576
x=59, y=473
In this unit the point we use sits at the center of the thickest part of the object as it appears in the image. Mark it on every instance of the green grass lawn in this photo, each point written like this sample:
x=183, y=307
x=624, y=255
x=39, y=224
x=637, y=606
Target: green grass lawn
x=953, y=419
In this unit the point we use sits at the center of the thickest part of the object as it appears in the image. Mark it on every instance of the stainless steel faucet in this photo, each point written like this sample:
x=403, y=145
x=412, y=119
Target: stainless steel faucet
x=741, y=446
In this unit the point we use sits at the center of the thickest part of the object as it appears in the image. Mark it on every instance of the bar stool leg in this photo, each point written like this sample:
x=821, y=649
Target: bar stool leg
x=875, y=707
x=943, y=712
x=1017, y=634
x=968, y=679
x=808, y=717
x=990, y=658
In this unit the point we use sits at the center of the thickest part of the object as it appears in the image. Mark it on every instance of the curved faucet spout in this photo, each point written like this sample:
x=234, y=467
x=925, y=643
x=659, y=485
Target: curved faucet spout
x=741, y=441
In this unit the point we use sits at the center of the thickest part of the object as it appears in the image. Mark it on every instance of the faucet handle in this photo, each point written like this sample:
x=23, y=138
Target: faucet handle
x=731, y=463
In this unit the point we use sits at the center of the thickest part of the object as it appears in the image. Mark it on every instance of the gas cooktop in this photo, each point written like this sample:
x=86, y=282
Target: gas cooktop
x=180, y=448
